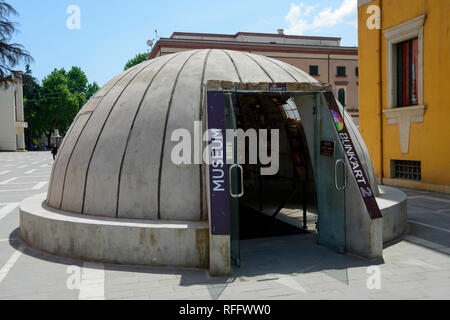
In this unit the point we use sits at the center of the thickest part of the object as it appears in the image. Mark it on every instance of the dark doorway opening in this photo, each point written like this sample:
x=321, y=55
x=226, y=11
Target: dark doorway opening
x=282, y=204
x=255, y=224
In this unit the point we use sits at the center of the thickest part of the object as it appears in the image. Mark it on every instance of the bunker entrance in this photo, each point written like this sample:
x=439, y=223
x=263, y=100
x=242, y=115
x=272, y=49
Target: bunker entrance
x=273, y=204
x=293, y=183
x=275, y=194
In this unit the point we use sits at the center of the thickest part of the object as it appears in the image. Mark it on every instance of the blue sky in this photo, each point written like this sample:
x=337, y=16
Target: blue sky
x=113, y=31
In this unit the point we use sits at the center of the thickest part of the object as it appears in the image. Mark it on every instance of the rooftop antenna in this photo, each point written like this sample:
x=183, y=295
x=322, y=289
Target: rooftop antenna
x=150, y=43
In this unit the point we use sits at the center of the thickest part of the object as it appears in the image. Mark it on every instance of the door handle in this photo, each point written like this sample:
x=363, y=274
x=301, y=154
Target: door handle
x=230, y=171
x=344, y=165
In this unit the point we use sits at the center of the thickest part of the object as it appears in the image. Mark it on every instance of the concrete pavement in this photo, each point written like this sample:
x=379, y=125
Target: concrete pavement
x=294, y=267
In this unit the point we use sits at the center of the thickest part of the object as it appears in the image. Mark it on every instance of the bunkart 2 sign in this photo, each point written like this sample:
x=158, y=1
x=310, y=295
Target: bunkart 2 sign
x=352, y=156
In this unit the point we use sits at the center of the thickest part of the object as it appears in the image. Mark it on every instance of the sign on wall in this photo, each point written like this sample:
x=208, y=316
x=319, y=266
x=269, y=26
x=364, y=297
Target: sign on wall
x=218, y=170
x=277, y=87
x=326, y=148
x=352, y=156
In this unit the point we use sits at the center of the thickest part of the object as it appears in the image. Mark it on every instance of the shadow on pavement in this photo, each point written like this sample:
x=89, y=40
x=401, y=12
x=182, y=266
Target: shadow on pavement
x=263, y=259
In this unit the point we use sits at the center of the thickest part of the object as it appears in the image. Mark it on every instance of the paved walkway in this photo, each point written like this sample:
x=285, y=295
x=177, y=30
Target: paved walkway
x=294, y=267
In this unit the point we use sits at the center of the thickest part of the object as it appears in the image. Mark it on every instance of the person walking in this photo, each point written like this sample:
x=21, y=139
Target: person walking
x=54, y=151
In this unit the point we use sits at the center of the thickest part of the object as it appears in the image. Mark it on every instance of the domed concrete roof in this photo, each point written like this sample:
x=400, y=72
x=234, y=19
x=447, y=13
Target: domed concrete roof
x=115, y=160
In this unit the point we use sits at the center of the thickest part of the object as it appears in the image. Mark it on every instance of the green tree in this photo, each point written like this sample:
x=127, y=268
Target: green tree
x=78, y=84
x=78, y=80
x=11, y=54
x=141, y=57
x=55, y=103
x=59, y=105
x=31, y=97
x=92, y=89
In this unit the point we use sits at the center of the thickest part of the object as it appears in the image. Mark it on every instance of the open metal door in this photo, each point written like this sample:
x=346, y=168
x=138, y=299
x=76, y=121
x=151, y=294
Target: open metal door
x=330, y=172
x=235, y=178
x=223, y=174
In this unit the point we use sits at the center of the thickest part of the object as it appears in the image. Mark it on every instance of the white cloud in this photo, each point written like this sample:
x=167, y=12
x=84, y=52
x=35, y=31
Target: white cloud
x=300, y=20
x=297, y=18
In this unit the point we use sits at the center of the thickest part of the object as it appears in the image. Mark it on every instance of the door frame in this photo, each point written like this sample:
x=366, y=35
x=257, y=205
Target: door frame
x=220, y=258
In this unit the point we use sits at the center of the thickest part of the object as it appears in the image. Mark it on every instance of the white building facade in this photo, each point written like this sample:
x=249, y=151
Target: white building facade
x=12, y=121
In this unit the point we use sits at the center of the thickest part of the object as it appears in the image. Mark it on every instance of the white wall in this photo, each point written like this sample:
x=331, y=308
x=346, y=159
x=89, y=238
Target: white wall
x=11, y=112
x=7, y=121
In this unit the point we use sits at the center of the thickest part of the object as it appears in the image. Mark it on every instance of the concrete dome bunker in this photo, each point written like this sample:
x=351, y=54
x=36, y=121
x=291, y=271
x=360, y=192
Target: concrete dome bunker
x=114, y=194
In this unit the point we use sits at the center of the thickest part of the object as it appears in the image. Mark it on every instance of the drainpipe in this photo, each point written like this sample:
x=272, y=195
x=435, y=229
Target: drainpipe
x=380, y=92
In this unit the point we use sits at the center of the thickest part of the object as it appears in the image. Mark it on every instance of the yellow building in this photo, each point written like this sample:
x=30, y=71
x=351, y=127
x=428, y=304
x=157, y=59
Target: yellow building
x=404, y=90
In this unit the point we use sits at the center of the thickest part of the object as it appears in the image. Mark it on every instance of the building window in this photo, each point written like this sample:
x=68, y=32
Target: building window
x=314, y=70
x=341, y=71
x=357, y=71
x=341, y=96
x=405, y=169
x=407, y=69
x=405, y=83
x=405, y=64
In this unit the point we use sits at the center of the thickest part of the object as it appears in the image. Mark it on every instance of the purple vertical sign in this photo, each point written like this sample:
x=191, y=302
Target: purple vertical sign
x=218, y=177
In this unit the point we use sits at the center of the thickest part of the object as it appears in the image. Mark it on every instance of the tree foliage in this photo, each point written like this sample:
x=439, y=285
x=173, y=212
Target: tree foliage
x=11, y=54
x=54, y=104
x=92, y=88
x=77, y=80
x=59, y=104
x=31, y=97
x=141, y=57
